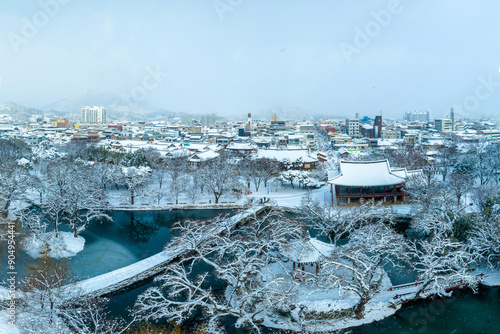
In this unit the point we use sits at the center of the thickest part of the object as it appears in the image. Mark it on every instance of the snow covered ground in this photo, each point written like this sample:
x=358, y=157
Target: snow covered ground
x=5, y=327
x=491, y=278
x=65, y=245
x=333, y=306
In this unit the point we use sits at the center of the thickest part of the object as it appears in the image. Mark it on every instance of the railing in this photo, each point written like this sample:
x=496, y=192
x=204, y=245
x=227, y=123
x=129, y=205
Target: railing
x=405, y=286
x=453, y=285
x=370, y=194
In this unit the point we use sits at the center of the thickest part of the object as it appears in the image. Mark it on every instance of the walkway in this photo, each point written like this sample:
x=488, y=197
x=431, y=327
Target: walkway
x=411, y=289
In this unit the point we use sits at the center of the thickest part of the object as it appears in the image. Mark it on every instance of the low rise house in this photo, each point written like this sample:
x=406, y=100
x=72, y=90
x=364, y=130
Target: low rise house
x=307, y=161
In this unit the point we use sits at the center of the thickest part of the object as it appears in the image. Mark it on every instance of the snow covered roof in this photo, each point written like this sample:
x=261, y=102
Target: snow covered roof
x=281, y=155
x=240, y=146
x=306, y=251
x=203, y=156
x=368, y=174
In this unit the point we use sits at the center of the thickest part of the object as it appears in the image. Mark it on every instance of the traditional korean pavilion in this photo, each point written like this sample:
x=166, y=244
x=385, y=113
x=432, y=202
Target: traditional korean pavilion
x=307, y=254
x=369, y=180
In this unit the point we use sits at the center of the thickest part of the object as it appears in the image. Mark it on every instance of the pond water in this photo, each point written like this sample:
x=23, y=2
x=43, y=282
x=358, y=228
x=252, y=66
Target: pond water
x=464, y=312
x=130, y=237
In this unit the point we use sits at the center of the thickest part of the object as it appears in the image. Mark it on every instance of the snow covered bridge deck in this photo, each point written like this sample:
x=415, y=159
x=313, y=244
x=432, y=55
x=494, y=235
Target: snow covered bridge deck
x=141, y=270
x=410, y=290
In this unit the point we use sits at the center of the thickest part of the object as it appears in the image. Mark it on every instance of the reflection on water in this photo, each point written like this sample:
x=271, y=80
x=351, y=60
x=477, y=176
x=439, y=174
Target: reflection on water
x=140, y=230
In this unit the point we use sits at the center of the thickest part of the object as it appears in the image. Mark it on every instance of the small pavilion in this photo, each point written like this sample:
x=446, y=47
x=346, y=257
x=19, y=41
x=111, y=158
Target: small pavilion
x=307, y=254
x=368, y=180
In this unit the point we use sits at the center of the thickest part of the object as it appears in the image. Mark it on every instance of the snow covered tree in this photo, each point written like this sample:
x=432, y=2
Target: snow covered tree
x=13, y=183
x=38, y=184
x=411, y=157
x=298, y=163
x=483, y=239
x=71, y=197
x=246, y=170
x=303, y=178
x=467, y=165
x=83, y=203
x=158, y=194
x=192, y=192
x=105, y=174
x=265, y=170
x=460, y=184
x=135, y=178
x=176, y=171
x=358, y=265
x=339, y=221
x=219, y=176
x=158, y=172
x=446, y=158
x=45, y=283
x=43, y=154
x=238, y=257
x=287, y=164
x=439, y=258
x=12, y=150
x=89, y=315
x=290, y=176
x=143, y=157
x=442, y=263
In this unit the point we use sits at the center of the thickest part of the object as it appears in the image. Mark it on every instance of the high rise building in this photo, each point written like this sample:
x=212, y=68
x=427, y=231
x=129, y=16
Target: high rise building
x=377, y=127
x=352, y=127
x=207, y=120
x=95, y=115
x=443, y=124
x=417, y=116
x=186, y=119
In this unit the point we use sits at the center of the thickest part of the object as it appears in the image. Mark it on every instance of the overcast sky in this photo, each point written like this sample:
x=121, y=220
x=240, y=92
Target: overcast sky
x=238, y=56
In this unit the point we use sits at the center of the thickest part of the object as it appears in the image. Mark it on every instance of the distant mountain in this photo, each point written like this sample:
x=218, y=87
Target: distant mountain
x=18, y=111
x=120, y=110
x=74, y=104
x=285, y=113
x=117, y=108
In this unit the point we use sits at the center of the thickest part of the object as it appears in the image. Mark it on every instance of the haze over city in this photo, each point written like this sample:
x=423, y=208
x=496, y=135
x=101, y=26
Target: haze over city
x=232, y=57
